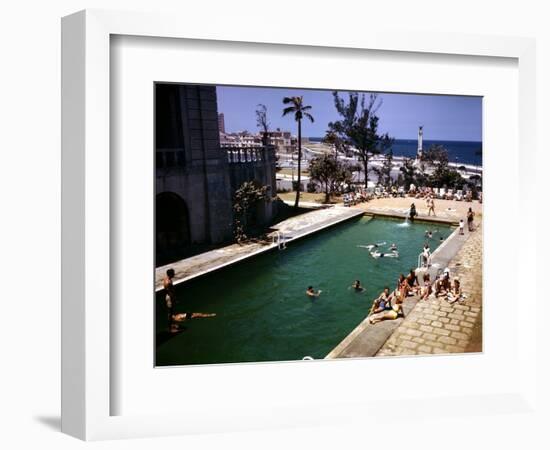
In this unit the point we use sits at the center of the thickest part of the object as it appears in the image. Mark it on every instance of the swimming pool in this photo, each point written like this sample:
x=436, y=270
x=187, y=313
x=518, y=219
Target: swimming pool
x=262, y=312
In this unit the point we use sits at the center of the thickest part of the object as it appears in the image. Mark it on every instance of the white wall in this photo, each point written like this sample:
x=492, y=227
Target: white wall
x=30, y=193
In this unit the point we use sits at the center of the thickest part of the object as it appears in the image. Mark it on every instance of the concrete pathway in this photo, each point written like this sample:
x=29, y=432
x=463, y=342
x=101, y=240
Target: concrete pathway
x=293, y=228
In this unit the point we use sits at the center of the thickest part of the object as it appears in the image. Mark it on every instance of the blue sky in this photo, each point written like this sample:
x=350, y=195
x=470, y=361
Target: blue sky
x=444, y=117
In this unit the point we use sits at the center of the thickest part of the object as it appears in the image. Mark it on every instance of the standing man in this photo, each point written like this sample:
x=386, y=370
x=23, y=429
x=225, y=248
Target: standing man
x=170, y=299
x=412, y=212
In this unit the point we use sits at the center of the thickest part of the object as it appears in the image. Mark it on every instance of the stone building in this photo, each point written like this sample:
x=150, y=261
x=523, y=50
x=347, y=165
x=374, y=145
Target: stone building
x=196, y=177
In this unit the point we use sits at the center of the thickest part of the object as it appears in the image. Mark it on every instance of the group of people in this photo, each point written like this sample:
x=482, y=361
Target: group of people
x=354, y=197
x=389, y=305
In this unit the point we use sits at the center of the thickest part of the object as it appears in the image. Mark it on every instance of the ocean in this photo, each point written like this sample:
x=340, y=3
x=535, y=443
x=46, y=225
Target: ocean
x=463, y=152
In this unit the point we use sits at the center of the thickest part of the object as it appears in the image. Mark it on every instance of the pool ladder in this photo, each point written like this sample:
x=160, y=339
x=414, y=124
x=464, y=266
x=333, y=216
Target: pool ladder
x=280, y=240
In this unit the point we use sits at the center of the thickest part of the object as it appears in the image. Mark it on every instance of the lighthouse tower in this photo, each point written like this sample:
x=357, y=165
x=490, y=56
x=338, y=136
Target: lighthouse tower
x=420, y=136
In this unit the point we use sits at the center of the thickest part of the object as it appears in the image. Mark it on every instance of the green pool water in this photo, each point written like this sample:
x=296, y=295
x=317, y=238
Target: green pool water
x=262, y=311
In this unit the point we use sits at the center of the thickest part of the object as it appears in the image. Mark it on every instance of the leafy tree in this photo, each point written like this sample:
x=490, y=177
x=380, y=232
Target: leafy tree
x=262, y=123
x=379, y=174
x=332, y=138
x=442, y=175
x=359, y=126
x=437, y=157
x=300, y=111
x=248, y=195
x=330, y=172
x=408, y=171
x=387, y=167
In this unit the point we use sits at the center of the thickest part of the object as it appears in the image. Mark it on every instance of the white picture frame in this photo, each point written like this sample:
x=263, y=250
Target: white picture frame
x=86, y=221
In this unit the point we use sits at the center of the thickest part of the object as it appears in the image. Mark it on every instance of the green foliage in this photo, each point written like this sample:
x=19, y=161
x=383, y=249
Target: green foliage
x=311, y=187
x=330, y=172
x=333, y=138
x=442, y=175
x=408, y=172
x=248, y=195
x=358, y=127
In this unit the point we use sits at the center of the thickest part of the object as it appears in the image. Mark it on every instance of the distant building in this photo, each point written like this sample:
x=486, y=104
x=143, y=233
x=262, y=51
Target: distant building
x=196, y=176
x=282, y=141
x=221, y=122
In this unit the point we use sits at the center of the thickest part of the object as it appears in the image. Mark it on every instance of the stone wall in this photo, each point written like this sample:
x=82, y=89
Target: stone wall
x=191, y=164
x=256, y=164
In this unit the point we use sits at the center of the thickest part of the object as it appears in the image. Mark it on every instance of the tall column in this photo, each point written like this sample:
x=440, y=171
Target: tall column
x=420, y=136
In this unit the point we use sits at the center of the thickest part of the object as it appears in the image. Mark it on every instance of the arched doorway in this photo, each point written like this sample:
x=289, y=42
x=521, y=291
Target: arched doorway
x=173, y=237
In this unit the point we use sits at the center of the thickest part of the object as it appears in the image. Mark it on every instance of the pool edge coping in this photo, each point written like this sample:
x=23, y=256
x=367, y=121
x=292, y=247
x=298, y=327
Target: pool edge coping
x=266, y=248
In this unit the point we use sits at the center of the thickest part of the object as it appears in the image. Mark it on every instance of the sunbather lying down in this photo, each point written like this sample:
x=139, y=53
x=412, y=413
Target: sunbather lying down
x=391, y=314
x=181, y=317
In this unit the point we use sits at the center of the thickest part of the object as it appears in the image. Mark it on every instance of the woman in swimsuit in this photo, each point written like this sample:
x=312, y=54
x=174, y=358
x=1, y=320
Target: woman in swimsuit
x=426, y=290
x=455, y=293
x=181, y=317
x=382, y=302
x=395, y=312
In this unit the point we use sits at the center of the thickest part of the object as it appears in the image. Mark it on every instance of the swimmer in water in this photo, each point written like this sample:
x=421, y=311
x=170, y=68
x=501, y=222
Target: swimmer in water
x=393, y=247
x=393, y=254
x=372, y=246
x=310, y=292
x=357, y=286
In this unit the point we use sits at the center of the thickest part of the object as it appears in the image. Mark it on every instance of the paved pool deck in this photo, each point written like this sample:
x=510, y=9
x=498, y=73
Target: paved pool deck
x=294, y=228
x=447, y=211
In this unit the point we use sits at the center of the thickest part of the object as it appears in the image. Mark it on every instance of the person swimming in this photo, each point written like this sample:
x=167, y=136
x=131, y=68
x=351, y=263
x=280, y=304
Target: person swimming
x=310, y=292
x=357, y=286
x=372, y=246
x=392, y=254
x=393, y=247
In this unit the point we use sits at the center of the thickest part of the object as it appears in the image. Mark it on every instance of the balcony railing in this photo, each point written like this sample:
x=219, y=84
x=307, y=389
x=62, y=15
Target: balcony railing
x=244, y=155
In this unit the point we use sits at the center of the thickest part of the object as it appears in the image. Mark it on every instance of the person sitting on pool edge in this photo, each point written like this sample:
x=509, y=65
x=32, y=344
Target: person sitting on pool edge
x=357, y=286
x=382, y=302
x=426, y=289
x=455, y=293
x=402, y=285
x=412, y=281
x=440, y=287
x=310, y=292
x=395, y=312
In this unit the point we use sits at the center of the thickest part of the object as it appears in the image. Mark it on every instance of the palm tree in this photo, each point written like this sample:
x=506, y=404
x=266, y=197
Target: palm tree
x=300, y=111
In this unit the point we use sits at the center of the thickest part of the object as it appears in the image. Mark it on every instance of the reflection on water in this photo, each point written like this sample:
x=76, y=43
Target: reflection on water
x=262, y=311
